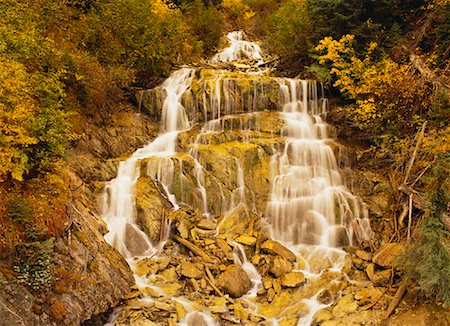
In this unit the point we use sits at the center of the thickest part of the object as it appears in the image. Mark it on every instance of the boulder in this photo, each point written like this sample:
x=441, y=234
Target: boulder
x=382, y=278
x=206, y=225
x=235, y=281
x=387, y=254
x=277, y=248
x=292, y=279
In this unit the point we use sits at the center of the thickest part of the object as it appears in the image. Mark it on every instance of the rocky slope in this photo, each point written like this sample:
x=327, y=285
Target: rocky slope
x=90, y=277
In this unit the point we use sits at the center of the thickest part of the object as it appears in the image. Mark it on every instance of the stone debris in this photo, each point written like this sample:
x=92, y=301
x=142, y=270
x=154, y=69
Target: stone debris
x=197, y=265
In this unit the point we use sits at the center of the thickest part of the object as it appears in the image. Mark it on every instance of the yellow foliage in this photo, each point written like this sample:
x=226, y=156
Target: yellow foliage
x=16, y=109
x=238, y=11
x=384, y=91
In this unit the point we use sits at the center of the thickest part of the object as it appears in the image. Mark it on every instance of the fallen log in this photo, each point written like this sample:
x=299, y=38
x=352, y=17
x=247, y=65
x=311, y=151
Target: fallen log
x=195, y=249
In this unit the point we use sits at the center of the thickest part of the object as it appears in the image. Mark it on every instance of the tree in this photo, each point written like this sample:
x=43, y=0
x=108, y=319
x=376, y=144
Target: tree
x=290, y=30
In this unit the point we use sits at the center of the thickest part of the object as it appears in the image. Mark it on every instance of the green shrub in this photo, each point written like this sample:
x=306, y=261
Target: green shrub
x=19, y=210
x=290, y=30
x=427, y=261
x=33, y=264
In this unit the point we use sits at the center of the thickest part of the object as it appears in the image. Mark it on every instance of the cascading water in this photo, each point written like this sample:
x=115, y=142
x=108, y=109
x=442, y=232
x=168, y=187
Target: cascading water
x=238, y=49
x=308, y=203
x=119, y=208
x=307, y=207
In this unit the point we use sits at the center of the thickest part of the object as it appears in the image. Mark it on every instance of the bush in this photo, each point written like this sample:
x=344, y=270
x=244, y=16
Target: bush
x=427, y=260
x=290, y=30
x=33, y=264
x=206, y=23
x=19, y=210
x=389, y=96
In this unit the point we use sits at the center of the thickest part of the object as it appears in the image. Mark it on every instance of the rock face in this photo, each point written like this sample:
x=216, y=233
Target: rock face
x=235, y=281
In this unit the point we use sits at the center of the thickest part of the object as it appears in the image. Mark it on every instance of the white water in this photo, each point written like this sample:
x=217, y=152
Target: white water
x=119, y=207
x=309, y=203
x=239, y=49
x=240, y=258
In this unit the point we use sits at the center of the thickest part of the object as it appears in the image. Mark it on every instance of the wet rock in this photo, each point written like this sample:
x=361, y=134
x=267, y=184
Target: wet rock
x=321, y=316
x=325, y=297
x=292, y=279
x=274, y=247
x=345, y=306
x=235, y=281
x=149, y=206
x=165, y=305
x=189, y=270
x=151, y=101
x=387, y=254
x=135, y=240
x=236, y=222
x=280, y=266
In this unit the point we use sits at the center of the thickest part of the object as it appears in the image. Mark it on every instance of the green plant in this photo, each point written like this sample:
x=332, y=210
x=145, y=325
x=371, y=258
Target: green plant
x=290, y=30
x=19, y=210
x=33, y=264
x=427, y=261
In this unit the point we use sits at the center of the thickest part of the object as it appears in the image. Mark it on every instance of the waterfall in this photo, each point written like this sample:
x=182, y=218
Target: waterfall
x=305, y=203
x=238, y=49
x=119, y=203
x=309, y=203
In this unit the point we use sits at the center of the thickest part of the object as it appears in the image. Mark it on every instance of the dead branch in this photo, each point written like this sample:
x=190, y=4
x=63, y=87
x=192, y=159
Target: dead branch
x=396, y=299
x=195, y=249
x=413, y=157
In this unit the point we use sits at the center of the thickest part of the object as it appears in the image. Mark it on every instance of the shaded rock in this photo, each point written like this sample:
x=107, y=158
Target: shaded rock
x=325, y=297
x=292, y=279
x=387, y=254
x=280, y=266
x=235, y=281
x=274, y=247
x=189, y=270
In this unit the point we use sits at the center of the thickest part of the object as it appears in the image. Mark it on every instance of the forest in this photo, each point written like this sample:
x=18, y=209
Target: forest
x=70, y=71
